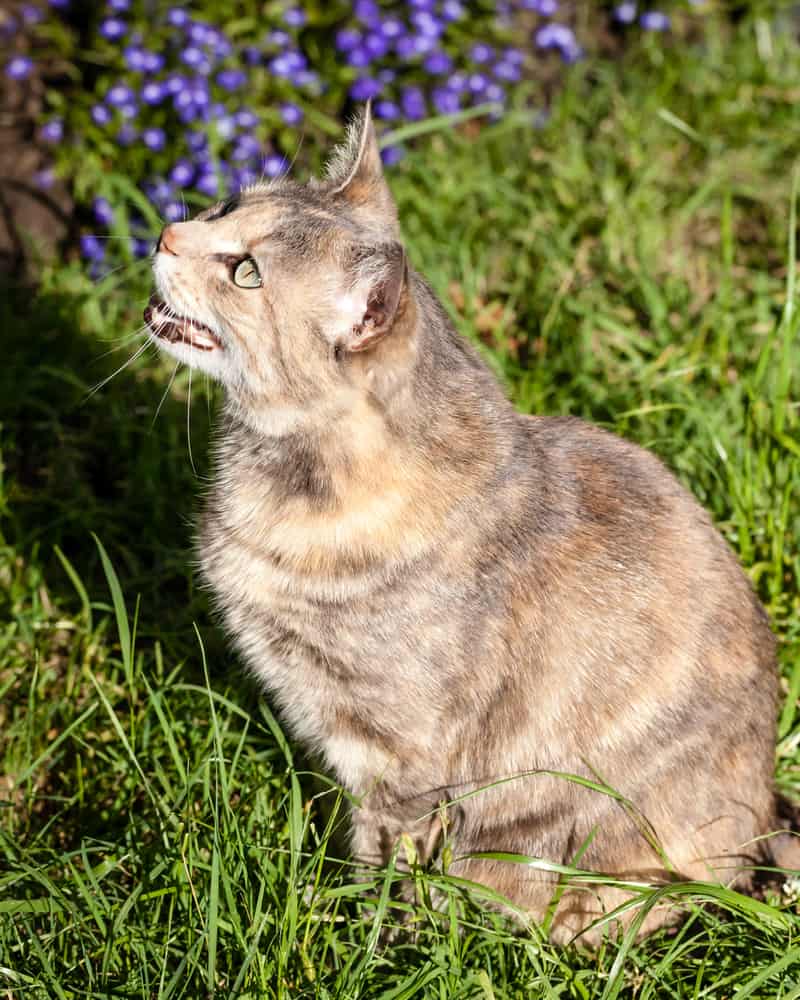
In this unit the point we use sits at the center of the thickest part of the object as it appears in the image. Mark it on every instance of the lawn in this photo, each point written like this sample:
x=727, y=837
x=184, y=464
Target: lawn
x=630, y=260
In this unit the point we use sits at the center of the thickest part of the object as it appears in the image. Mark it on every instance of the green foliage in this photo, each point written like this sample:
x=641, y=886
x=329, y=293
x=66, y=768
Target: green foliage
x=633, y=262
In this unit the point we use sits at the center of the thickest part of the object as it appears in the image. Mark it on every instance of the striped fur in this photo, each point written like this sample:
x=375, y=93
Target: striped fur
x=439, y=593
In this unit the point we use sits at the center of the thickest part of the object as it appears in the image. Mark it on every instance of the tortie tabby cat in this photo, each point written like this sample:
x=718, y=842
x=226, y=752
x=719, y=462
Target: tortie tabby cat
x=438, y=592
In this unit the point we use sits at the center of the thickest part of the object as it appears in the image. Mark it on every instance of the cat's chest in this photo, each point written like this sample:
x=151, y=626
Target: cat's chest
x=351, y=659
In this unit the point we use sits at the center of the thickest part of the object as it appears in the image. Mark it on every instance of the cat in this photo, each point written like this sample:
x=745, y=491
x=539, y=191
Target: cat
x=439, y=593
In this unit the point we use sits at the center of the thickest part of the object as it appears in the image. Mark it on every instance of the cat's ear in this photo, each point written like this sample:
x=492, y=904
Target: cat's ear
x=356, y=173
x=374, y=304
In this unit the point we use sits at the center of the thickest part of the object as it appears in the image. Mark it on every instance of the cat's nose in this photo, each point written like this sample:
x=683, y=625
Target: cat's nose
x=168, y=241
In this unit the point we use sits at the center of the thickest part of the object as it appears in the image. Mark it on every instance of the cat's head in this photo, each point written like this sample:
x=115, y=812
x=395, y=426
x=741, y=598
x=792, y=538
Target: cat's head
x=287, y=293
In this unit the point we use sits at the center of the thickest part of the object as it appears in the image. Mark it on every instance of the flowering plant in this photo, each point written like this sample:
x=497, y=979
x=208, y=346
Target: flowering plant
x=187, y=104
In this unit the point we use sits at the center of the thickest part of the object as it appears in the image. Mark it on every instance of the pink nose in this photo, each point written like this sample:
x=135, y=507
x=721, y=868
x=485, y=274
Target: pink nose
x=184, y=239
x=168, y=241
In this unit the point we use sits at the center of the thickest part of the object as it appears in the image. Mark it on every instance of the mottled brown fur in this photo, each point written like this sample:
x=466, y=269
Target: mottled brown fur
x=439, y=593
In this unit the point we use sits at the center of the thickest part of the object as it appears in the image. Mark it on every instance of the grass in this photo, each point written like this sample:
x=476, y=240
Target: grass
x=633, y=262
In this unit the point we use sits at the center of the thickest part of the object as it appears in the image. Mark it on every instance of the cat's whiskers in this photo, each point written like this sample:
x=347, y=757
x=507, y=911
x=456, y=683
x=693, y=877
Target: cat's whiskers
x=137, y=354
x=166, y=393
x=189, y=422
x=119, y=344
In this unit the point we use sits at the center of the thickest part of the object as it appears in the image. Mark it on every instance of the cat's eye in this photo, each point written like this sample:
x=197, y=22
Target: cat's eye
x=246, y=274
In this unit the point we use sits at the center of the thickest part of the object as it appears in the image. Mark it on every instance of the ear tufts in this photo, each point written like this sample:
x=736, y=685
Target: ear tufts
x=355, y=173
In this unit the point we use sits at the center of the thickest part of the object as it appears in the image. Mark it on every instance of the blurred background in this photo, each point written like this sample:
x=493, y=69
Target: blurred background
x=604, y=196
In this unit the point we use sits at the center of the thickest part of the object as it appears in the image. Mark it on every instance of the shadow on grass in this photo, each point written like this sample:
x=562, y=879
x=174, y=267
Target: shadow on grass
x=74, y=463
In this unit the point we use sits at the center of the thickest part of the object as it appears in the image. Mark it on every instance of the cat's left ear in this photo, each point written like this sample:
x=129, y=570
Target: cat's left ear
x=375, y=303
x=357, y=174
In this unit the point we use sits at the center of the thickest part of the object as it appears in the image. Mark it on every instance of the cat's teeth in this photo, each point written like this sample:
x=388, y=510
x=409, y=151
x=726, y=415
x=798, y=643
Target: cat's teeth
x=167, y=326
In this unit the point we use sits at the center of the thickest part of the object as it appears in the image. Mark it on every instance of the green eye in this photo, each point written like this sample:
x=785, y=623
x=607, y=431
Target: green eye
x=246, y=275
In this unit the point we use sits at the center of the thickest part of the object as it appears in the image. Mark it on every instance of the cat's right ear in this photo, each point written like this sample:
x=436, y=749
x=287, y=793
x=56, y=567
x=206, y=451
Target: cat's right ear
x=376, y=301
x=356, y=174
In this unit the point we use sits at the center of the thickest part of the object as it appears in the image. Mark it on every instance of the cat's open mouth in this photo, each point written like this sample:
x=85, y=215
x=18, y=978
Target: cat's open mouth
x=166, y=325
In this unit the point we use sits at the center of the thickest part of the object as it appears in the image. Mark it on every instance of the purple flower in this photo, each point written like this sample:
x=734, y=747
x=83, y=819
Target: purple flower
x=544, y=7
x=133, y=56
x=199, y=93
x=91, y=247
x=153, y=92
x=118, y=5
x=477, y=83
x=30, y=14
x=445, y=100
x=358, y=58
x=141, y=247
x=127, y=134
x=52, y=131
x=59, y=4
x=252, y=55
x=365, y=88
x=494, y=93
x=154, y=138
x=129, y=110
x=224, y=124
x=19, y=67
x=481, y=52
x=308, y=79
x=294, y=17
x=654, y=20
x=367, y=11
x=201, y=33
x=504, y=70
x=438, y=62
x=231, y=79
x=387, y=110
x=222, y=46
x=458, y=83
x=392, y=154
x=208, y=183
x=376, y=45
x=103, y=212
x=412, y=101
x=196, y=58
x=100, y=114
x=158, y=191
x=277, y=39
x=625, y=13
x=275, y=165
x=113, y=28
x=153, y=61
x=558, y=36
x=245, y=118
x=452, y=10
x=514, y=56
x=182, y=174
x=244, y=176
x=245, y=146
x=426, y=24
x=174, y=211
x=347, y=39
x=291, y=114
x=391, y=28
x=409, y=46
x=196, y=141
x=45, y=178
x=119, y=94
x=175, y=83
x=177, y=17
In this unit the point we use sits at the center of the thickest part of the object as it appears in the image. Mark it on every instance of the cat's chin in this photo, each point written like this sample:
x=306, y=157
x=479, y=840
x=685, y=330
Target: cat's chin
x=173, y=329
